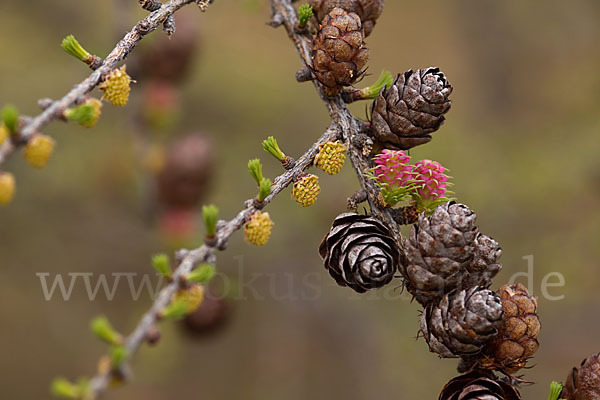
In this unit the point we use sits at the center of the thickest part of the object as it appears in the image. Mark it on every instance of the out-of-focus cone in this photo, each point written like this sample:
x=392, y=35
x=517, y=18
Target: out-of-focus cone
x=179, y=227
x=169, y=59
x=184, y=179
x=161, y=105
x=211, y=317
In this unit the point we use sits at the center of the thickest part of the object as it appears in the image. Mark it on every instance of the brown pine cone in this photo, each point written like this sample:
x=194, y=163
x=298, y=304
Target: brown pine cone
x=187, y=171
x=438, y=251
x=517, y=335
x=462, y=323
x=446, y=252
x=360, y=252
x=339, y=54
x=367, y=10
x=404, y=115
x=169, y=58
x=583, y=382
x=479, y=385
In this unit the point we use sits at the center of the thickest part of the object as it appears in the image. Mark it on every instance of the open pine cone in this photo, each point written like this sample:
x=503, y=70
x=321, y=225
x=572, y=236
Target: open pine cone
x=583, y=382
x=404, y=115
x=462, y=322
x=438, y=251
x=478, y=385
x=517, y=335
x=367, y=10
x=360, y=252
x=339, y=53
x=445, y=252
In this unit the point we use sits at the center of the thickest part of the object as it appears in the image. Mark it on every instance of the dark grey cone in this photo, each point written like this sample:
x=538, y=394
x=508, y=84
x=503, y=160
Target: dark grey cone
x=360, y=252
x=405, y=114
x=462, y=323
x=479, y=385
x=438, y=251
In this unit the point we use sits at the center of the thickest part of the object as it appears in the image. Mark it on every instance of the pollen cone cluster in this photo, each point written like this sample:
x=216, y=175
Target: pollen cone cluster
x=116, y=87
x=367, y=10
x=192, y=297
x=38, y=150
x=7, y=188
x=339, y=54
x=405, y=114
x=331, y=157
x=306, y=189
x=258, y=229
x=4, y=134
x=360, y=252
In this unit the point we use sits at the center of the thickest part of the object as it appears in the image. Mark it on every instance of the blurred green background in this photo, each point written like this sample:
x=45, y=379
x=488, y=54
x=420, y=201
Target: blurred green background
x=521, y=141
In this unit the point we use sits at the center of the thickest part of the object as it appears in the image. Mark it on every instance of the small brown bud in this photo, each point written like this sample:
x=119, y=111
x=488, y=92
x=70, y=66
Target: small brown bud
x=153, y=336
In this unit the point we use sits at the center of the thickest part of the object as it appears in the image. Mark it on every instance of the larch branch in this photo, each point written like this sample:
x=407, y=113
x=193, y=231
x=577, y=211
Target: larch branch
x=283, y=13
x=205, y=253
x=119, y=53
x=343, y=126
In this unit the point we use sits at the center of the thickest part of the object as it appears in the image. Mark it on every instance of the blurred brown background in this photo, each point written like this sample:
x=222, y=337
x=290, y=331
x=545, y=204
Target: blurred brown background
x=521, y=141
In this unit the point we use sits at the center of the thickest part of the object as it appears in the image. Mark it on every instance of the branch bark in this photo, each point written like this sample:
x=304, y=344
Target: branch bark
x=283, y=13
x=205, y=253
x=343, y=126
x=119, y=53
